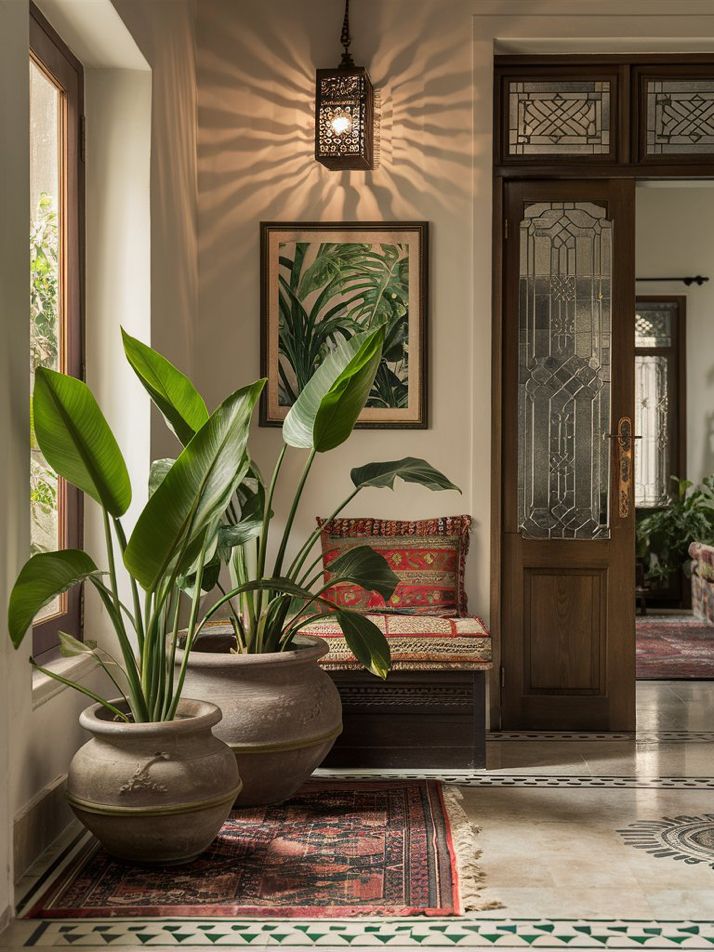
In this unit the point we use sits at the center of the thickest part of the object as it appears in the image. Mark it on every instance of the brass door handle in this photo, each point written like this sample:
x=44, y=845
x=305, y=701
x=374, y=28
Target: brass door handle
x=625, y=468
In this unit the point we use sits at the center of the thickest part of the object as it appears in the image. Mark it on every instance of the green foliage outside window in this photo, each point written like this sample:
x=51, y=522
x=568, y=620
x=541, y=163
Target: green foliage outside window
x=44, y=352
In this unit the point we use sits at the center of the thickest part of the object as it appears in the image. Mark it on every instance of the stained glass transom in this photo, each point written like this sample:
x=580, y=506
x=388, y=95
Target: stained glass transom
x=559, y=118
x=653, y=325
x=564, y=356
x=652, y=451
x=680, y=116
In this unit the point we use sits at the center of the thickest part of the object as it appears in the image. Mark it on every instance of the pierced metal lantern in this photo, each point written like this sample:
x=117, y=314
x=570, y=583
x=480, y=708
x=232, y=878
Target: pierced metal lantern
x=344, y=112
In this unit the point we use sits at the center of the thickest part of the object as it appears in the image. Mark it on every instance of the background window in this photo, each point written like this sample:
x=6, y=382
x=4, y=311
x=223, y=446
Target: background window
x=659, y=398
x=56, y=225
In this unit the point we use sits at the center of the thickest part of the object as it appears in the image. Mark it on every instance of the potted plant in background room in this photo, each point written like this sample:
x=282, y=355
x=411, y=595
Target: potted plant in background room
x=281, y=711
x=664, y=536
x=153, y=783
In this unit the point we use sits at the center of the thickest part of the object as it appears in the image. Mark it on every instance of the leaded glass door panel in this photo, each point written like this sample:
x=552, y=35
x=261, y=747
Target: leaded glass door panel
x=568, y=504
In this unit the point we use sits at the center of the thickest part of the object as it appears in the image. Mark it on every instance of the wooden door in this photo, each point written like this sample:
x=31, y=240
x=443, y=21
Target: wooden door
x=568, y=560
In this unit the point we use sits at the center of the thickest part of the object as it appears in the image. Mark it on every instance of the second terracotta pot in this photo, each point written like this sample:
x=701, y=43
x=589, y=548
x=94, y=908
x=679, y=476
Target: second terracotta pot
x=281, y=713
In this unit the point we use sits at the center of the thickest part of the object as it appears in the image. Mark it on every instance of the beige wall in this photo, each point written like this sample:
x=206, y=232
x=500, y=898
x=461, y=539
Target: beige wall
x=164, y=32
x=675, y=236
x=256, y=65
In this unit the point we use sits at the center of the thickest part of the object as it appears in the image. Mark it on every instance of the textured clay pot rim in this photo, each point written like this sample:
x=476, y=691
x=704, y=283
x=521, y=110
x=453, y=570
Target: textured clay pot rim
x=310, y=649
x=192, y=716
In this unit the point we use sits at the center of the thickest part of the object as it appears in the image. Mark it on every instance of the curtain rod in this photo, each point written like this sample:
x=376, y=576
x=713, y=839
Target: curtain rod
x=697, y=279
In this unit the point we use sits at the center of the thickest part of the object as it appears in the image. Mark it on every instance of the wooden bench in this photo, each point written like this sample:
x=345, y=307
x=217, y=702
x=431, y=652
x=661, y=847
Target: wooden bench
x=430, y=711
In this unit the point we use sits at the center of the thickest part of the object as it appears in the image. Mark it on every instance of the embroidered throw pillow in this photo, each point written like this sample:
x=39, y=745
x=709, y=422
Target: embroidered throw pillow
x=428, y=556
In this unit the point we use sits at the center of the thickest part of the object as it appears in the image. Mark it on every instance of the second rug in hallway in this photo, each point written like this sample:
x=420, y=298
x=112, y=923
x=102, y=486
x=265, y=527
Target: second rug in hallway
x=674, y=647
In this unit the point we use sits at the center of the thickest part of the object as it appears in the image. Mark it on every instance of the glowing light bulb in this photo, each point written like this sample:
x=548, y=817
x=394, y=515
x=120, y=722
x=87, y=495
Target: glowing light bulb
x=341, y=122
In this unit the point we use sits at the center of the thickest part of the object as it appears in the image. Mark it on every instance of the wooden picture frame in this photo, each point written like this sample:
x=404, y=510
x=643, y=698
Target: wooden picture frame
x=379, y=270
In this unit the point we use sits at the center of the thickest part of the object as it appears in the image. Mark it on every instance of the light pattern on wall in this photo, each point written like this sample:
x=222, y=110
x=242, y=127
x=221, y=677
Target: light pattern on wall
x=564, y=331
x=680, y=116
x=559, y=118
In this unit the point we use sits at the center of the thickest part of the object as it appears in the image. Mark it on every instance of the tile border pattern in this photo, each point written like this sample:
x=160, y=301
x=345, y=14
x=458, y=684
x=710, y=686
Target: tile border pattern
x=473, y=778
x=465, y=932
x=649, y=737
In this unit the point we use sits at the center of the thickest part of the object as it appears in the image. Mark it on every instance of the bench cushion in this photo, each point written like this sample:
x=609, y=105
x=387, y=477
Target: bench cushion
x=417, y=643
x=427, y=555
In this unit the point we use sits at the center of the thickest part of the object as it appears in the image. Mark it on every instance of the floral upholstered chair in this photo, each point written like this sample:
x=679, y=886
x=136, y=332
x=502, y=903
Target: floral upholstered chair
x=702, y=556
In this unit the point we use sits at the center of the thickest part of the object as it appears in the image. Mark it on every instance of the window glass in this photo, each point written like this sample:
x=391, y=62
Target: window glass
x=45, y=294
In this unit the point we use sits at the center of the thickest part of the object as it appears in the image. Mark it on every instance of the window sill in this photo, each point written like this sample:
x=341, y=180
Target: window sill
x=44, y=688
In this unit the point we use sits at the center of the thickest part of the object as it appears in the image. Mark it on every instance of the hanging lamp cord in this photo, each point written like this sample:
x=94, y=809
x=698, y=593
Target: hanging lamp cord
x=345, y=39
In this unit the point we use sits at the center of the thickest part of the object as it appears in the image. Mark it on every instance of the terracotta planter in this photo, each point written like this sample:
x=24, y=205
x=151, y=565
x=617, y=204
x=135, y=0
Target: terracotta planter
x=157, y=792
x=281, y=713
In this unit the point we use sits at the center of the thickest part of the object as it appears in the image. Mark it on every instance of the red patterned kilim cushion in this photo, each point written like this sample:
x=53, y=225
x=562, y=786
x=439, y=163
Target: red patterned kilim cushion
x=416, y=642
x=429, y=557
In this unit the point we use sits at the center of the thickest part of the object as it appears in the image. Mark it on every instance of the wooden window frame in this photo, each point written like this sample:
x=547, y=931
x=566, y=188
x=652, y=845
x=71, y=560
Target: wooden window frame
x=552, y=73
x=628, y=74
x=52, y=55
x=641, y=75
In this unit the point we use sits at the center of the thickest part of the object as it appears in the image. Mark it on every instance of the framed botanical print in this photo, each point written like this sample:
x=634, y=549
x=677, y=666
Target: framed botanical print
x=324, y=282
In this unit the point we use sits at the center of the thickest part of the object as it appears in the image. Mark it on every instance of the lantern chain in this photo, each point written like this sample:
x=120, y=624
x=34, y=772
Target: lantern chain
x=345, y=39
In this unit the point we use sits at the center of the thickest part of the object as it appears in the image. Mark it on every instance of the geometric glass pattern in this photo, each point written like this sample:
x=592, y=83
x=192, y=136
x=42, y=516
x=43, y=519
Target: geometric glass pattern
x=653, y=324
x=559, y=118
x=564, y=371
x=655, y=399
x=652, y=451
x=680, y=116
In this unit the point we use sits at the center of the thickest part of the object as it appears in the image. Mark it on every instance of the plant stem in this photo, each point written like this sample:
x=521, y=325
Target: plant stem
x=190, y=632
x=263, y=543
x=139, y=708
x=82, y=690
x=299, y=559
x=293, y=510
x=138, y=623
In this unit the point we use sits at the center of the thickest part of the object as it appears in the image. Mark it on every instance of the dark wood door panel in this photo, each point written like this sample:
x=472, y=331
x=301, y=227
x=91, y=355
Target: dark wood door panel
x=565, y=630
x=568, y=541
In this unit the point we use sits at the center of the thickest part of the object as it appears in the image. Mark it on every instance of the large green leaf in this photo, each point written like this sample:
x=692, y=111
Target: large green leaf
x=195, y=491
x=343, y=403
x=366, y=641
x=76, y=440
x=365, y=567
x=410, y=469
x=43, y=578
x=326, y=410
x=173, y=393
x=251, y=498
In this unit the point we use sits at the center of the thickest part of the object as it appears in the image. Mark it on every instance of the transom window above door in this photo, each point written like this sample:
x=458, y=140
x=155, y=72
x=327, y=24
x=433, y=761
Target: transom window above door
x=612, y=112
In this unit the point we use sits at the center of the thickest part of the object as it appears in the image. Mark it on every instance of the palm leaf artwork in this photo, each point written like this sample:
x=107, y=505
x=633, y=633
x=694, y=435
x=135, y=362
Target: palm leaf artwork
x=331, y=291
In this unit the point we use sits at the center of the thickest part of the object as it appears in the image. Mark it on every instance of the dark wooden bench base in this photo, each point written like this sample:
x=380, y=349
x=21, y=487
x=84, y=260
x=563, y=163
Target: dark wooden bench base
x=414, y=719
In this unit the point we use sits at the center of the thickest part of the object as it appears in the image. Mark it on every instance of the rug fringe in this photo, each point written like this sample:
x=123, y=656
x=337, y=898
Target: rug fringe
x=463, y=834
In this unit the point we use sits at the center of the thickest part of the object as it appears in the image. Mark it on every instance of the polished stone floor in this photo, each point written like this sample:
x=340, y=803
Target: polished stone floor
x=559, y=849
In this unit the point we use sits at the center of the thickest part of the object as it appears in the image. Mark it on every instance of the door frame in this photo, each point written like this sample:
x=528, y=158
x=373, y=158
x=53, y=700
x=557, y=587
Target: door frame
x=630, y=166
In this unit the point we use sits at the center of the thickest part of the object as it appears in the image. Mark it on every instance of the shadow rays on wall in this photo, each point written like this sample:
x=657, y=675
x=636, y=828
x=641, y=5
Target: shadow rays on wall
x=256, y=77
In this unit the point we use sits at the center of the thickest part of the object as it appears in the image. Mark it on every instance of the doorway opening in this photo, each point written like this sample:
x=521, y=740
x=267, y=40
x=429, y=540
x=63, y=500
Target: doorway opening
x=674, y=417
x=597, y=389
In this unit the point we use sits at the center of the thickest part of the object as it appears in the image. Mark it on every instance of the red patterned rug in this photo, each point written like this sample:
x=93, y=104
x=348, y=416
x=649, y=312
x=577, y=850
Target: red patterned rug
x=674, y=648
x=387, y=848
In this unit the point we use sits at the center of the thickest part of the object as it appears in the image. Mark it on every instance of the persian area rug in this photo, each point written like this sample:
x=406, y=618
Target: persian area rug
x=336, y=850
x=674, y=648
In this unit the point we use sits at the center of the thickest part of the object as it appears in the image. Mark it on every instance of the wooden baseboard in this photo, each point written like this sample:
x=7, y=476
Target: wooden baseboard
x=39, y=824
